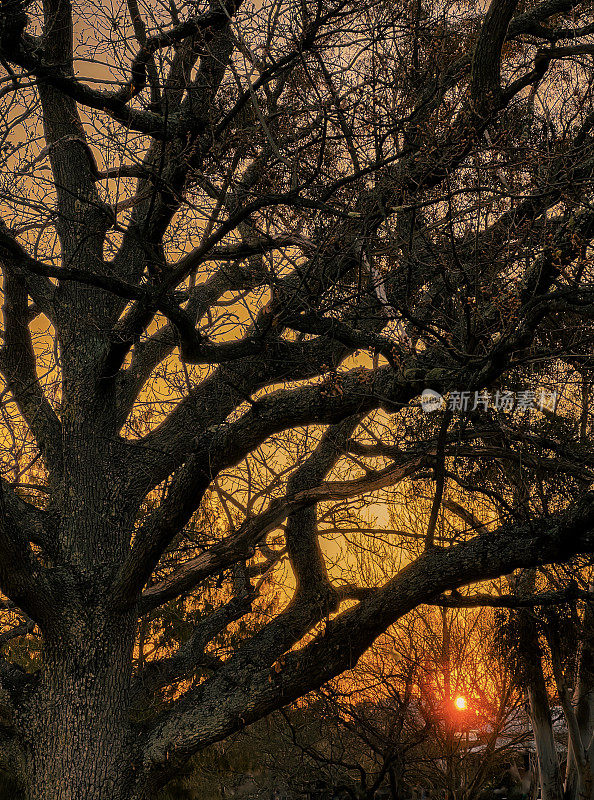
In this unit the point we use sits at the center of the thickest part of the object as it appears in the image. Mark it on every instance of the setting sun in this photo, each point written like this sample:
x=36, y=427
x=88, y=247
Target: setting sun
x=460, y=703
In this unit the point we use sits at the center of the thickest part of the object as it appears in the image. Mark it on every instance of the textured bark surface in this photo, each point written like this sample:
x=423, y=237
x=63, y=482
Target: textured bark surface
x=540, y=718
x=77, y=738
x=530, y=662
x=584, y=710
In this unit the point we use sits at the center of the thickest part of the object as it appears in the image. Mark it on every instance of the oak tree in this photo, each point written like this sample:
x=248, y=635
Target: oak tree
x=239, y=240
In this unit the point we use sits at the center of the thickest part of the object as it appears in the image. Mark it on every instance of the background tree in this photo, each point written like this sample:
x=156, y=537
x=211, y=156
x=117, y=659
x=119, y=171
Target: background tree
x=388, y=728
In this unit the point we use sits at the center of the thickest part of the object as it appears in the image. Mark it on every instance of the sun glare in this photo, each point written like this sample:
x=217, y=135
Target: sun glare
x=460, y=703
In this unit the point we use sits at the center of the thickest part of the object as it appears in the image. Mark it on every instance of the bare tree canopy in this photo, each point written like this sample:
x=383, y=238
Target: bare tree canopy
x=238, y=242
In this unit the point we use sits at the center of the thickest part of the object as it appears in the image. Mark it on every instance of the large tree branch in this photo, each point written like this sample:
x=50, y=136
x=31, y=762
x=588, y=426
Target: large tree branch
x=22, y=578
x=191, y=655
x=32, y=519
x=301, y=531
x=486, y=62
x=78, y=203
x=358, y=391
x=372, y=214
x=14, y=258
x=184, y=268
x=193, y=423
x=219, y=707
x=480, y=600
x=21, y=49
x=17, y=362
x=241, y=545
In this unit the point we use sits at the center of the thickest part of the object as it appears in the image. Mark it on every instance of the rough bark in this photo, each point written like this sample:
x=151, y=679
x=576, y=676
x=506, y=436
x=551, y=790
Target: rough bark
x=530, y=657
x=76, y=739
x=584, y=706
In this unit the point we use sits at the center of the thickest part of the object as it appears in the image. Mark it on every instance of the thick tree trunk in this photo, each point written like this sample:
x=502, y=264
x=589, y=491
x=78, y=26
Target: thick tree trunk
x=75, y=725
x=584, y=708
x=78, y=743
x=530, y=656
x=548, y=763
